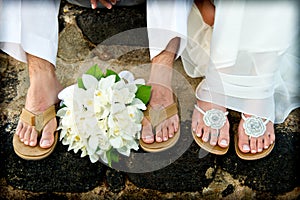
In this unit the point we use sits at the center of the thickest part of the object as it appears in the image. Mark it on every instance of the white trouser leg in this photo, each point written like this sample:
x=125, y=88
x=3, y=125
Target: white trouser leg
x=166, y=20
x=29, y=26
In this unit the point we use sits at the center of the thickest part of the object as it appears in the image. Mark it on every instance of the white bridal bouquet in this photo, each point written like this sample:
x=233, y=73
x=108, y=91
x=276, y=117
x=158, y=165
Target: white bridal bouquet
x=101, y=115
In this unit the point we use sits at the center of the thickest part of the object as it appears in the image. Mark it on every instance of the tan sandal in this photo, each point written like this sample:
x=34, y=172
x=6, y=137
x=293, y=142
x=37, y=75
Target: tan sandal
x=155, y=117
x=38, y=122
x=215, y=119
x=254, y=127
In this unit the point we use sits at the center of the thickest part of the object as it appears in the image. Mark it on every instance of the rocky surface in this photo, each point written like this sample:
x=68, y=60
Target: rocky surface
x=183, y=172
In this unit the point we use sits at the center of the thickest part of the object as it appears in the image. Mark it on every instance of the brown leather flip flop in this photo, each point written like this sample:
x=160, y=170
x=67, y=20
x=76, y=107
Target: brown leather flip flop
x=155, y=117
x=38, y=122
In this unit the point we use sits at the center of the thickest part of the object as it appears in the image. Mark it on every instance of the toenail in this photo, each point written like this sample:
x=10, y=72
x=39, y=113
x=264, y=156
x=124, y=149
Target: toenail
x=165, y=138
x=31, y=143
x=223, y=142
x=246, y=148
x=205, y=139
x=259, y=150
x=253, y=151
x=198, y=134
x=26, y=142
x=266, y=147
x=22, y=140
x=170, y=136
x=45, y=142
x=213, y=143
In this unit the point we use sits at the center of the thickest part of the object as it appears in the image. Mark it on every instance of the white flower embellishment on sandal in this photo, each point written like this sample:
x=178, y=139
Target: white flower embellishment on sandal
x=213, y=118
x=254, y=126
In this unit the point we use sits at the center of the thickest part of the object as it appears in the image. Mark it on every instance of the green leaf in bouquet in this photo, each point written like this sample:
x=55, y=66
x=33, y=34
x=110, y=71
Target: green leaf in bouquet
x=112, y=156
x=95, y=71
x=143, y=93
x=110, y=72
x=80, y=83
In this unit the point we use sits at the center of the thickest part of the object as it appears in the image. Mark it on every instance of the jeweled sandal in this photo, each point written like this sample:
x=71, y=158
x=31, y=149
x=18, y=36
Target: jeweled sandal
x=214, y=119
x=254, y=127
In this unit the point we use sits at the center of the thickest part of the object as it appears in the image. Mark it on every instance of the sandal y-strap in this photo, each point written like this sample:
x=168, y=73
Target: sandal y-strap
x=40, y=120
x=215, y=119
x=37, y=121
x=155, y=117
x=254, y=127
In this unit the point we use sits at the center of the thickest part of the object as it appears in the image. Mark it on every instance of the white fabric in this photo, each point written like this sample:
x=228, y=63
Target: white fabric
x=196, y=55
x=29, y=26
x=254, y=64
x=166, y=20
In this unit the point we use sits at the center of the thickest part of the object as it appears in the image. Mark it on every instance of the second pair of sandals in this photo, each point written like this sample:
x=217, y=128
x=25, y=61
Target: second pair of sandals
x=215, y=119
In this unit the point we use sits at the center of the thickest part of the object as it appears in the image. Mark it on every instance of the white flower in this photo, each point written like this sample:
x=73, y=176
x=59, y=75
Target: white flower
x=105, y=114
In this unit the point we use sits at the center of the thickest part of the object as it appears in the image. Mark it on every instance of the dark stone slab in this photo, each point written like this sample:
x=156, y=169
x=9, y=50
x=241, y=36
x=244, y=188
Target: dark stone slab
x=61, y=171
x=115, y=180
x=277, y=173
x=187, y=173
x=98, y=25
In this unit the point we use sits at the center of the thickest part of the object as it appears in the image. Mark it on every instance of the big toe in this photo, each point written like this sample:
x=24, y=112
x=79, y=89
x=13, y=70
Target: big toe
x=147, y=134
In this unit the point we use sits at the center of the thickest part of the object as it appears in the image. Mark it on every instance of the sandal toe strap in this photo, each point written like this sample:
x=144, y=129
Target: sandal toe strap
x=213, y=118
x=38, y=121
x=156, y=116
x=254, y=126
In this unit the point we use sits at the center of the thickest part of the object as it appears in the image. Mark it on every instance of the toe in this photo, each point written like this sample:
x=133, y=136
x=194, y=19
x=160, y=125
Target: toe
x=159, y=136
x=243, y=139
x=260, y=144
x=253, y=145
x=165, y=133
x=147, y=134
x=27, y=135
x=22, y=132
x=47, y=138
x=223, y=140
x=19, y=127
x=33, y=138
x=206, y=131
x=213, y=137
x=171, y=130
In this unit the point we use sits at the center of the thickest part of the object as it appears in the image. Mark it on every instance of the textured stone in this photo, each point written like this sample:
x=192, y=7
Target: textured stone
x=74, y=48
x=277, y=173
x=187, y=173
x=98, y=25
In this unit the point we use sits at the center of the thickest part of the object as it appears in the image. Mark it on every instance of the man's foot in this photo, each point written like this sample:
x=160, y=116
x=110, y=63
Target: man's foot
x=42, y=93
x=206, y=133
x=255, y=145
x=161, y=95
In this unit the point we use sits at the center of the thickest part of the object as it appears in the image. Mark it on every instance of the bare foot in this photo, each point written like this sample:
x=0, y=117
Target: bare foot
x=41, y=94
x=255, y=145
x=162, y=95
x=207, y=134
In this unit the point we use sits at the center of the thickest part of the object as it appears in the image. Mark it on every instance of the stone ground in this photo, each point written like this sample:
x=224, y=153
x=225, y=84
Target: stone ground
x=189, y=173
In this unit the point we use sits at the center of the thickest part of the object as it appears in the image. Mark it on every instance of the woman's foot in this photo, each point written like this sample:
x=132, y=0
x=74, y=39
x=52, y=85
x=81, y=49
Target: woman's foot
x=207, y=134
x=255, y=145
x=42, y=93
